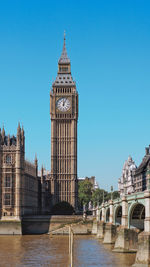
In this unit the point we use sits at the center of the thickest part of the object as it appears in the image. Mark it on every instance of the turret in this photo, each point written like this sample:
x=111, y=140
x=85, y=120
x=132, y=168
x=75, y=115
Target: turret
x=22, y=138
x=18, y=135
x=36, y=164
x=18, y=152
x=8, y=140
x=3, y=135
x=42, y=172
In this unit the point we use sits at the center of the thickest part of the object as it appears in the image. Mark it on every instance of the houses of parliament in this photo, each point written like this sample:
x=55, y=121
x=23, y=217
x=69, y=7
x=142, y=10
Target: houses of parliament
x=22, y=190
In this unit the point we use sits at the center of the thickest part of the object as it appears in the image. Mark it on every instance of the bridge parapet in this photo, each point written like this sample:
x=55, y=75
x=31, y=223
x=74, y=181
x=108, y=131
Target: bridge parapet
x=119, y=211
x=135, y=197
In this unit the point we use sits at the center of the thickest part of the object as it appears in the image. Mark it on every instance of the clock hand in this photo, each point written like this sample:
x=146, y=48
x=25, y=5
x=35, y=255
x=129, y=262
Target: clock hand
x=64, y=101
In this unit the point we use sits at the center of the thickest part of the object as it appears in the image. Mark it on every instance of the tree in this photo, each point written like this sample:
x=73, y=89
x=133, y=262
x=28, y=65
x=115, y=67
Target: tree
x=84, y=192
x=116, y=195
x=97, y=196
x=87, y=194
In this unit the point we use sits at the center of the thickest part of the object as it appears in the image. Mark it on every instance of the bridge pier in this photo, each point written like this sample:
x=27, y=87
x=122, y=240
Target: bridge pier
x=111, y=217
x=127, y=241
x=103, y=212
x=143, y=253
x=110, y=233
x=109, y=230
x=94, y=228
x=101, y=229
x=98, y=214
x=124, y=219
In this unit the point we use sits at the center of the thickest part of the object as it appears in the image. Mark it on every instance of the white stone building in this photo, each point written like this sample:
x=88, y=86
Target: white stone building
x=126, y=182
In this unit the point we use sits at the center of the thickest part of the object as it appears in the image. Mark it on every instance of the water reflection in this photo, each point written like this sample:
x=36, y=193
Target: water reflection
x=92, y=252
x=43, y=250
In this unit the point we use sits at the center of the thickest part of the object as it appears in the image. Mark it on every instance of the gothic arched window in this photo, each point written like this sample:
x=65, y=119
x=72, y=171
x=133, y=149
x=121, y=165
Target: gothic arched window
x=7, y=181
x=8, y=159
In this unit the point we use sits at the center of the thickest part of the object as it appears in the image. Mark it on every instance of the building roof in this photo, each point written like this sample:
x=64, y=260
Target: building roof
x=64, y=79
x=143, y=164
x=64, y=59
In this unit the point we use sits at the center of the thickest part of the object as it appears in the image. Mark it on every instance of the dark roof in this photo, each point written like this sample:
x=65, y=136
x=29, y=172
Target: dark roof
x=143, y=164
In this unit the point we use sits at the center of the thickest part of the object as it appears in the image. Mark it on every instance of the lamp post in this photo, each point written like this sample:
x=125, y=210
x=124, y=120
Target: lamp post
x=103, y=196
x=111, y=192
x=111, y=206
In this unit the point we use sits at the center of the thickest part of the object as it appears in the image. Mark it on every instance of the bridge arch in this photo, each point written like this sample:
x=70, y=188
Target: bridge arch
x=107, y=214
x=118, y=215
x=136, y=216
x=100, y=215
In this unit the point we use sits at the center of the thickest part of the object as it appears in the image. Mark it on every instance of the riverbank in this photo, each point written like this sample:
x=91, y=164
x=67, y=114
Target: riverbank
x=79, y=228
x=46, y=224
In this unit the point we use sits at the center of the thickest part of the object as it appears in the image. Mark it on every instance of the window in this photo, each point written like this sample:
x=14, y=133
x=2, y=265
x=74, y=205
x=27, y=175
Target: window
x=8, y=159
x=7, y=182
x=7, y=199
x=63, y=69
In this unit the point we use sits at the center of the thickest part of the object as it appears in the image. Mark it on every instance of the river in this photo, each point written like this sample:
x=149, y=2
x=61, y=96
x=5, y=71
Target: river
x=43, y=250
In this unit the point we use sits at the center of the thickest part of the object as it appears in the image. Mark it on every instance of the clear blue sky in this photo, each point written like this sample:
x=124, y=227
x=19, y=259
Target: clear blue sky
x=108, y=43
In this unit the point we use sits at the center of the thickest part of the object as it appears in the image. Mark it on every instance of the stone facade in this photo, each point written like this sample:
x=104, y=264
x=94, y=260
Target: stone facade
x=19, y=188
x=134, y=179
x=46, y=203
x=126, y=182
x=140, y=174
x=64, y=117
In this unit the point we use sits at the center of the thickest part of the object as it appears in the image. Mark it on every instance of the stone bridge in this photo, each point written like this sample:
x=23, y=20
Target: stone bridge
x=128, y=211
x=126, y=223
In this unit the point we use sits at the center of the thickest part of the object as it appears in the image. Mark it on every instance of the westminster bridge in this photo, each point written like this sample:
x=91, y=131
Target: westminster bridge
x=125, y=222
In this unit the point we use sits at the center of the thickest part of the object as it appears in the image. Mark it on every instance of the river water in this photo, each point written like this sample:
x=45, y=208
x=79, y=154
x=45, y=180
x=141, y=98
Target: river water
x=43, y=250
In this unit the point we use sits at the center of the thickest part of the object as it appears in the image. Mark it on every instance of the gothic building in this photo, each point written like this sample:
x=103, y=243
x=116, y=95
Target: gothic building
x=134, y=179
x=19, y=183
x=46, y=204
x=64, y=117
x=140, y=174
x=126, y=182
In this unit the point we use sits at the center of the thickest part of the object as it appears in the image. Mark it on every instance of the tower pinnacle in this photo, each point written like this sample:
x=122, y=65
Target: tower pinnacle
x=64, y=59
x=64, y=35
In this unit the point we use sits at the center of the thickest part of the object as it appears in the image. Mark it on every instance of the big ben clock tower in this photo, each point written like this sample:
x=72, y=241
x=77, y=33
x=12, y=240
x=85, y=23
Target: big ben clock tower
x=64, y=117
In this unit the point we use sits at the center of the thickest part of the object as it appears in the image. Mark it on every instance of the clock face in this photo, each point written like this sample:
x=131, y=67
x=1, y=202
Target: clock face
x=63, y=104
